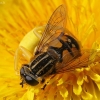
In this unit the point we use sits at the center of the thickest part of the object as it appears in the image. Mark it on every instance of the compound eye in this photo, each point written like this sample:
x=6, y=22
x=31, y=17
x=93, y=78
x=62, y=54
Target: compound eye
x=22, y=72
x=31, y=81
x=28, y=78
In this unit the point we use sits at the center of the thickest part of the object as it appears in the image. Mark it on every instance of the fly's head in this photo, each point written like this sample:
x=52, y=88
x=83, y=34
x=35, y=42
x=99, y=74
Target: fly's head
x=27, y=76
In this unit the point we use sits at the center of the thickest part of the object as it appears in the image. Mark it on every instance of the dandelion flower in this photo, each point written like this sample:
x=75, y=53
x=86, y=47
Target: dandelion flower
x=19, y=18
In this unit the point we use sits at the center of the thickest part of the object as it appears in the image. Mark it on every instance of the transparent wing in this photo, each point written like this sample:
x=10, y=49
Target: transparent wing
x=54, y=27
x=86, y=58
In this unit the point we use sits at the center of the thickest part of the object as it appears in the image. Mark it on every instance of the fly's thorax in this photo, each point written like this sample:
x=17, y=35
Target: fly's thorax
x=55, y=53
x=42, y=65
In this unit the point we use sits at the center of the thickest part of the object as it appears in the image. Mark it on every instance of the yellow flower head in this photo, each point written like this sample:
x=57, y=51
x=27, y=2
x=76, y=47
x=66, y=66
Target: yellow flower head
x=19, y=20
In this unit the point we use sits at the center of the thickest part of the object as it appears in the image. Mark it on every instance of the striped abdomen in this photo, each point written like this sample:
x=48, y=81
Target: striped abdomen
x=43, y=65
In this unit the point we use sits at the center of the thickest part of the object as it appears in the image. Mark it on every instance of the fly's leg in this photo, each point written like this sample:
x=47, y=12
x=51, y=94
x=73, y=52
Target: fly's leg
x=41, y=81
x=44, y=86
x=46, y=82
x=21, y=51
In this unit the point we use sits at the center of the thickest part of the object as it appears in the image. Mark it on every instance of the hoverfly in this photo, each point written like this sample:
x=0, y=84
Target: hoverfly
x=56, y=49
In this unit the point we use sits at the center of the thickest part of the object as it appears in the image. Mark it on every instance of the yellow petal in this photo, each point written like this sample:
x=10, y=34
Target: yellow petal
x=80, y=79
x=90, y=89
x=63, y=91
x=94, y=76
x=98, y=85
x=86, y=96
x=51, y=93
x=77, y=89
x=59, y=96
x=30, y=95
